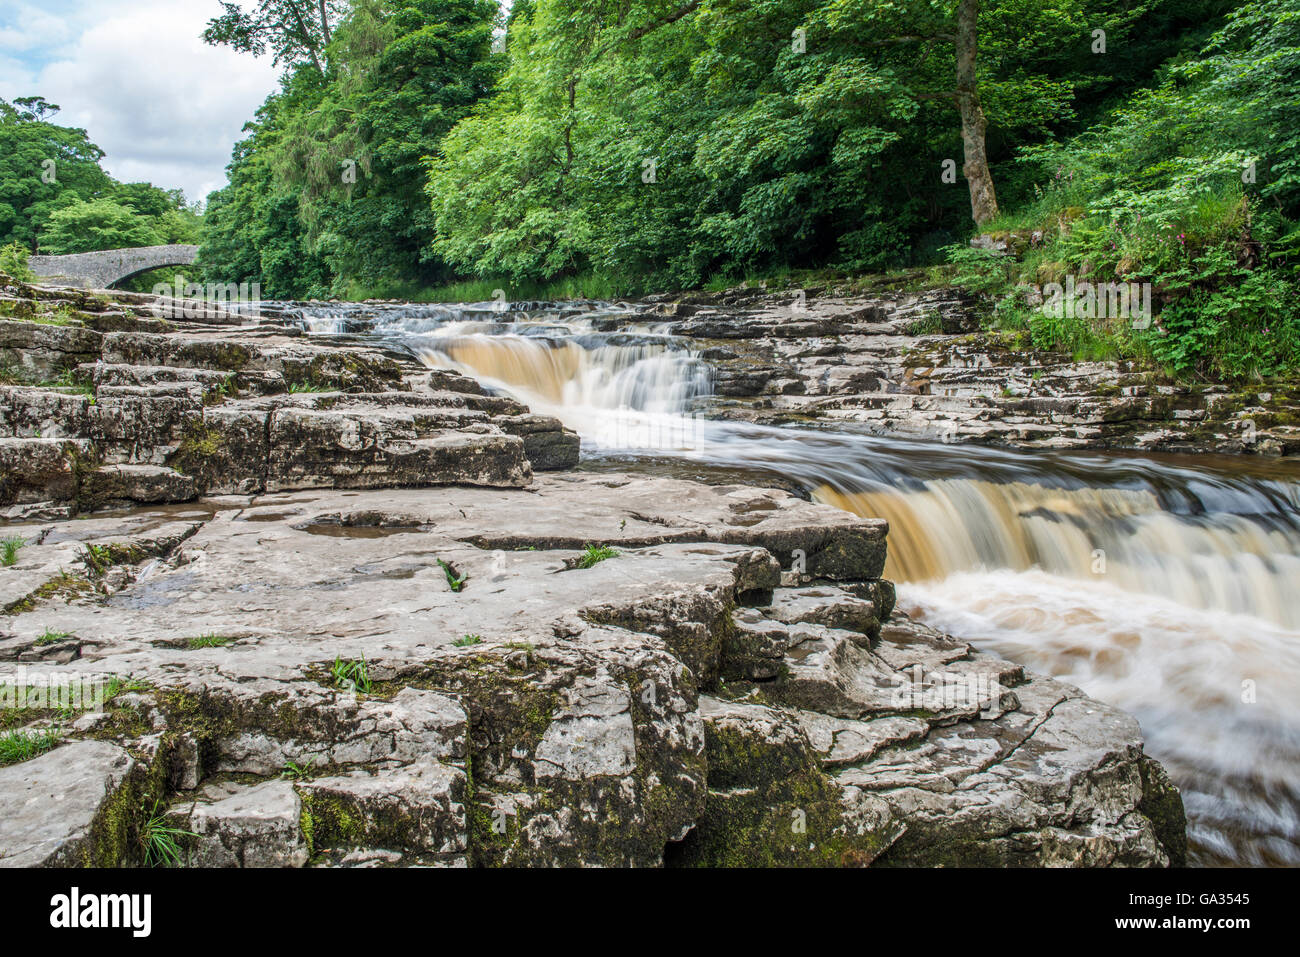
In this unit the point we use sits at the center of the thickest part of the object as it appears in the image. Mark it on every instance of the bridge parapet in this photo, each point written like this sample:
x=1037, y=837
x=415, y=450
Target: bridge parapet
x=99, y=270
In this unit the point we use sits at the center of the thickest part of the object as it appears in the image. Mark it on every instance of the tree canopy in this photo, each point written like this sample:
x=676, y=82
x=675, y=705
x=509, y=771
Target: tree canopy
x=666, y=143
x=56, y=198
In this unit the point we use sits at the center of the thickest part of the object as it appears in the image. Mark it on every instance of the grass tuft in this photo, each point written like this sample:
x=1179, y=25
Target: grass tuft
x=51, y=637
x=9, y=549
x=16, y=746
x=353, y=675
x=594, y=555
x=208, y=641
x=161, y=840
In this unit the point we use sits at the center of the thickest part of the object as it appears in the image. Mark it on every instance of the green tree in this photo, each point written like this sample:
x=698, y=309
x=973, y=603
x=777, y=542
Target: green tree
x=251, y=228
x=294, y=31
x=780, y=132
x=42, y=166
x=81, y=227
x=358, y=158
x=348, y=154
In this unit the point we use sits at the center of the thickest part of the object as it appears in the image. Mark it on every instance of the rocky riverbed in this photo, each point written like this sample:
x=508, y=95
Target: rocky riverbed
x=346, y=610
x=917, y=364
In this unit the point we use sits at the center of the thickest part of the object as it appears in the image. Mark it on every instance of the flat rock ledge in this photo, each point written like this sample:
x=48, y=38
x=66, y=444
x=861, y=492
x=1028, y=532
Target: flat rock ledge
x=920, y=364
x=583, y=670
x=104, y=404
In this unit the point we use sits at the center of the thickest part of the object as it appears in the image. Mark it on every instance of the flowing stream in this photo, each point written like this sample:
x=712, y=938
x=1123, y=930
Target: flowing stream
x=1168, y=586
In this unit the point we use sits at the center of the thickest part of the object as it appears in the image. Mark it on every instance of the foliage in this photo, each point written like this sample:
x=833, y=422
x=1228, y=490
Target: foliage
x=454, y=581
x=16, y=746
x=299, y=772
x=9, y=549
x=328, y=188
x=595, y=554
x=353, y=675
x=160, y=839
x=98, y=224
x=1190, y=186
x=295, y=31
x=52, y=187
x=13, y=263
x=784, y=134
x=208, y=641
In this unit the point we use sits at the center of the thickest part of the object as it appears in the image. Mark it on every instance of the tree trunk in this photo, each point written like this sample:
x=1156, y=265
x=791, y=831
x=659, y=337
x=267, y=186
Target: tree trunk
x=983, y=199
x=307, y=41
x=324, y=22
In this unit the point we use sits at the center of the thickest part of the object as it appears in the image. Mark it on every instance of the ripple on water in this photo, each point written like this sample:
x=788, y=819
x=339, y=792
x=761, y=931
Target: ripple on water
x=1215, y=692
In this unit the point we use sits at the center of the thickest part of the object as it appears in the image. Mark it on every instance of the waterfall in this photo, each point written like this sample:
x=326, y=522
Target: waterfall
x=565, y=375
x=1167, y=587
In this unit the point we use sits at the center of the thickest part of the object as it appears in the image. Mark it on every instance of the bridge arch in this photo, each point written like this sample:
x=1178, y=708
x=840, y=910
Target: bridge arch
x=99, y=270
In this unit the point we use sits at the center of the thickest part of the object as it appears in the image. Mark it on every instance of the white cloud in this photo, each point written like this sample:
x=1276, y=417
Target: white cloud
x=163, y=105
x=29, y=26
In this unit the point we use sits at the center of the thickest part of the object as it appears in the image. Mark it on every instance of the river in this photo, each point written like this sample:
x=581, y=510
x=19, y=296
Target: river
x=1169, y=586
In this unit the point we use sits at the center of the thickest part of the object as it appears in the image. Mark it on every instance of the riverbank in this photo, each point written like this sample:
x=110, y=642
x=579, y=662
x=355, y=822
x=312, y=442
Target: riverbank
x=493, y=665
x=923, y=364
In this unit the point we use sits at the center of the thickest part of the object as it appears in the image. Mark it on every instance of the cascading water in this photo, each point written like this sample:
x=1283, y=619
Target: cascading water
x=1168, y=588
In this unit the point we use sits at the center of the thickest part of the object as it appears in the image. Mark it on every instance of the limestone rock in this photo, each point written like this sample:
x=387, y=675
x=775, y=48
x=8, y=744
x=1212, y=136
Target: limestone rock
x=50, y=804
x=255, y=826
x=419, y=808
x=137, y=483
x=36, y=470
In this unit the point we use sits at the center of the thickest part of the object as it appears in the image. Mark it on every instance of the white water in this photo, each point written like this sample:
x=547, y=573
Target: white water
x=1172, y=591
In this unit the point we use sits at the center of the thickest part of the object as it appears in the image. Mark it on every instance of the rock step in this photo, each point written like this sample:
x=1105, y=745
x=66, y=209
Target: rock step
x=144, y=484
x=41, y=469
x=117, y=374
x=28, y=413
x=49, y=806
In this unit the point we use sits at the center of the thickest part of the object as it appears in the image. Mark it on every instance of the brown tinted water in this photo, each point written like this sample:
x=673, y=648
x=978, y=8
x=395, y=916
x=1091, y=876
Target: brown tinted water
x=1167, y=585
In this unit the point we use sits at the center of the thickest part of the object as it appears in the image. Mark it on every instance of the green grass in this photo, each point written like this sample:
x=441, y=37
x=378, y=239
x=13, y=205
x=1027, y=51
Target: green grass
x=161, y=840
x=18, y=746
x=9, y=549
x=351, y=674
x=219, y=392
x=587, y=286
x=301, y=388
x=594, y=555
x=298, y=772
x=456, y=584
x=929, y=325
x=51, y=637
x=466, y=640
x=117, y=686
x=208, y=641
x=69, y=382
x=592, y=286
x=63, y=316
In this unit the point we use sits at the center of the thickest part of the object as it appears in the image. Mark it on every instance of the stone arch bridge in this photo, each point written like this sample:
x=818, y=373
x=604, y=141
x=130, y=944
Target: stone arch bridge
x=102, y=269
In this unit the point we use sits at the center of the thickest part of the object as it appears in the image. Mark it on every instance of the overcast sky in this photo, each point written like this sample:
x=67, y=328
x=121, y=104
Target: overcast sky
x=134, y=74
